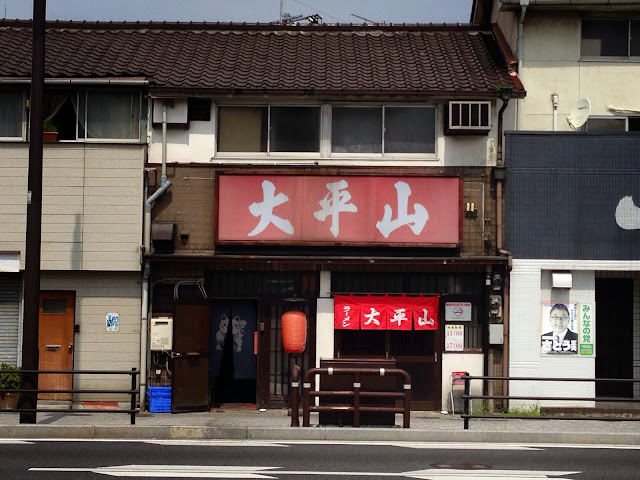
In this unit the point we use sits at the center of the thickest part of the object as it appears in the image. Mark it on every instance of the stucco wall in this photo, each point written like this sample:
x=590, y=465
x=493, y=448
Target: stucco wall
x=551, y=64
x=196, y=144
x=472, y=363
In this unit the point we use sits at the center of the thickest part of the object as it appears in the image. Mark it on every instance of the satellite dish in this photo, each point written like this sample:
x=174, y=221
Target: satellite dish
x=579, y=114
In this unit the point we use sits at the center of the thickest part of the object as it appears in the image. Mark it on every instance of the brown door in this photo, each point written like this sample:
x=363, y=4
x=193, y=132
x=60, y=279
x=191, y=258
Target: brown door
x=55, y=342
x=190, y=388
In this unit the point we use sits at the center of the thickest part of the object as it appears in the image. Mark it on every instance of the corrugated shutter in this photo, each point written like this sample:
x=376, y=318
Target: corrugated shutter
x=9, y=317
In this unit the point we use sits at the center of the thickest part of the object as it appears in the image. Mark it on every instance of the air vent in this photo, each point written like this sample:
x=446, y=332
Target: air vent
x=199, y=109
x=468, y=118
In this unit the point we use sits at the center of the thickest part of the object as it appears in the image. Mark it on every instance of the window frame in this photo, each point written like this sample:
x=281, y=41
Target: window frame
x=268, y=153
x=86, y=139
x=625, y=118
x=383, y=154
x=610, y=58
x=23, y=120
x=325, y=155
x=81, y=96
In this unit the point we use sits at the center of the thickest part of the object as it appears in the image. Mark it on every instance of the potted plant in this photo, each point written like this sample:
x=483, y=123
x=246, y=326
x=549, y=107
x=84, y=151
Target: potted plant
x=49, y=132
x=9, y=380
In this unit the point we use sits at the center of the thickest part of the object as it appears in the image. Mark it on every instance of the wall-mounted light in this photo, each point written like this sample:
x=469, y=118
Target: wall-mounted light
x=561, y=279
x=471, y=211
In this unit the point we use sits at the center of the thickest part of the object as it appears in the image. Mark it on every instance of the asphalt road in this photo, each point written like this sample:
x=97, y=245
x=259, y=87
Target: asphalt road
x=309, y=460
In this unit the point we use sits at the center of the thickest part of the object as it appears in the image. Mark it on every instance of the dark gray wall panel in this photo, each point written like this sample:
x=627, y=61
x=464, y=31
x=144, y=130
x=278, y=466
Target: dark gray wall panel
x=562, y=190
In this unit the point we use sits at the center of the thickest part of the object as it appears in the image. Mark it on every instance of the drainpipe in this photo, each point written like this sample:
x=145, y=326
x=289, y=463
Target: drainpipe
x=499, y=174
x=554, y=101
x=505, y=95
x=523, y=11
x=148, y=205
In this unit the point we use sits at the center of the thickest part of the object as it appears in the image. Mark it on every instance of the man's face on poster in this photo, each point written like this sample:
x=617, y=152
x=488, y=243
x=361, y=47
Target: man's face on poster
x=559, y=320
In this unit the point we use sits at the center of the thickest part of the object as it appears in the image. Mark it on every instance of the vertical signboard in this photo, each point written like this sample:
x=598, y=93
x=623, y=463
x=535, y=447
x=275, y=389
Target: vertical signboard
x=587, y=331
x=454, y=338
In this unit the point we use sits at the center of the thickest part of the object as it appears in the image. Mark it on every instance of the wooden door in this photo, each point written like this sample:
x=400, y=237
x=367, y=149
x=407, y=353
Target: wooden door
x=190, y=389
x=55, y=342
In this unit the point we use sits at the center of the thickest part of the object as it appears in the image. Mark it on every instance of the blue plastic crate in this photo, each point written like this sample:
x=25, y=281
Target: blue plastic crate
x=159, y=399
x=156, y=392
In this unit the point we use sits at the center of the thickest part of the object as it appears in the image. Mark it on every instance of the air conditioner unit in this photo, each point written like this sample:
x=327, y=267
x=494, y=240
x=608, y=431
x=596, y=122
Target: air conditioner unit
x=177, y=111
x=467, y=117
x=161, y=331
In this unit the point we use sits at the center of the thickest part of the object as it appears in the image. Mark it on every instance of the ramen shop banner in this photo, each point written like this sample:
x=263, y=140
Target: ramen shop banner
x=388, y=312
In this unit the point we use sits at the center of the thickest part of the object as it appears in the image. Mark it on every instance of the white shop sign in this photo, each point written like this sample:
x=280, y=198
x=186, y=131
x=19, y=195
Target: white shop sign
x=454, y=338
x=457, y=311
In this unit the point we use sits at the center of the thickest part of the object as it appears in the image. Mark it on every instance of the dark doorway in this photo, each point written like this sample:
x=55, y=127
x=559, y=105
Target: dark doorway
x=614, y=335
x=234, y=360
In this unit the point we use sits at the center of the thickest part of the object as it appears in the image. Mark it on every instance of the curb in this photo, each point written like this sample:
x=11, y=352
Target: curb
x=133, y=432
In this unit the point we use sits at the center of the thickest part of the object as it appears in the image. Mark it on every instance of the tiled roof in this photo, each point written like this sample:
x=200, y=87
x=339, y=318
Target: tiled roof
x=379, y=59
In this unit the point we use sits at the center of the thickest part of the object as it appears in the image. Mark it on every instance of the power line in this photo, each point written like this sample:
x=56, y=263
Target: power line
x=320, y=11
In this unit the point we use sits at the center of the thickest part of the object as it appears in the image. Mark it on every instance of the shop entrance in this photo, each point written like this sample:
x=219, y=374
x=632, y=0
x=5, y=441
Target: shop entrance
x=614, y=335
x=414, y=351
x=234, y=351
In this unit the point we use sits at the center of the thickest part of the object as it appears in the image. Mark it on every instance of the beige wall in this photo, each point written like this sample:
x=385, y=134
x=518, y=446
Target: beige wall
x=92, y=197
x=551, y=64
x=94, y=348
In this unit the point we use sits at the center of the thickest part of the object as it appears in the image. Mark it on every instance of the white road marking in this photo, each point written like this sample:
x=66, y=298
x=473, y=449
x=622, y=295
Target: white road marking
x=11, y=441
x=170, y=471
x=286, y=443
x=210, y=471
x=218, y=443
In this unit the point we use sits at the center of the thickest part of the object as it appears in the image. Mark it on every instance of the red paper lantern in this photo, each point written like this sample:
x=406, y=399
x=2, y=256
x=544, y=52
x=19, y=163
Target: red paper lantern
x=294, y=331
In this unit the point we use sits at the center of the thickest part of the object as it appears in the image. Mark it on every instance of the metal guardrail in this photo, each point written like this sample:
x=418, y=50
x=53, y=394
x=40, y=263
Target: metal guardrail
x=133, y=392
x=356, y=393
x=468, y=398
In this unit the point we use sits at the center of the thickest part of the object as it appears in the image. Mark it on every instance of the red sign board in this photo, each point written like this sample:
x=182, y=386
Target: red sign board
x=372, y=312
x=316, y=209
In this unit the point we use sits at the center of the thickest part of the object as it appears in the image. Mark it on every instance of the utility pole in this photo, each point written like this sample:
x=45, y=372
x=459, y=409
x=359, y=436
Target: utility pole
x=29, y=400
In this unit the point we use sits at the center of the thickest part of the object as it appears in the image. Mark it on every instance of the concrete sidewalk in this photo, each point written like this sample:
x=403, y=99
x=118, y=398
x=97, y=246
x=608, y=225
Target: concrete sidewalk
x=275, y=425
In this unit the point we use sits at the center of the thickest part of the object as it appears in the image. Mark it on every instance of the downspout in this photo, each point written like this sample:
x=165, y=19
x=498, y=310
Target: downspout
x=523, y=11
x=148, y=205
x=505, y=95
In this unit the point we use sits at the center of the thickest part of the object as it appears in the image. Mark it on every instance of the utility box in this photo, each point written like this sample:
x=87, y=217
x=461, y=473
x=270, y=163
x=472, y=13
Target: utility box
x=161, y=334
x=371, y=383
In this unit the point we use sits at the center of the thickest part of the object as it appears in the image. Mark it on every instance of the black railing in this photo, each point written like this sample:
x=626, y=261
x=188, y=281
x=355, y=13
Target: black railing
x=356, y=393
x=468, y=399
x=133, y=392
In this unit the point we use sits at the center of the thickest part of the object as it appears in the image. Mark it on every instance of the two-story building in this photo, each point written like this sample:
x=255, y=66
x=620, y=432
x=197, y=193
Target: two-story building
x=571, y=193
x=344, y=171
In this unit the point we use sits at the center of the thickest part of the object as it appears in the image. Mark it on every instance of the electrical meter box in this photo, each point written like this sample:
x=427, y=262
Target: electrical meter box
x=161, y=333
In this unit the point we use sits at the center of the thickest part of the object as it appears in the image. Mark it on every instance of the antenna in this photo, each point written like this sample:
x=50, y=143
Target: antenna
x=362, y=18
x=579, y=114
x=287, y=18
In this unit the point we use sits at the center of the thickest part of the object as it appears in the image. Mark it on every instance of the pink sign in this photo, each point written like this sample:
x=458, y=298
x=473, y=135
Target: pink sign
x=385, y=312
x=316, y=209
